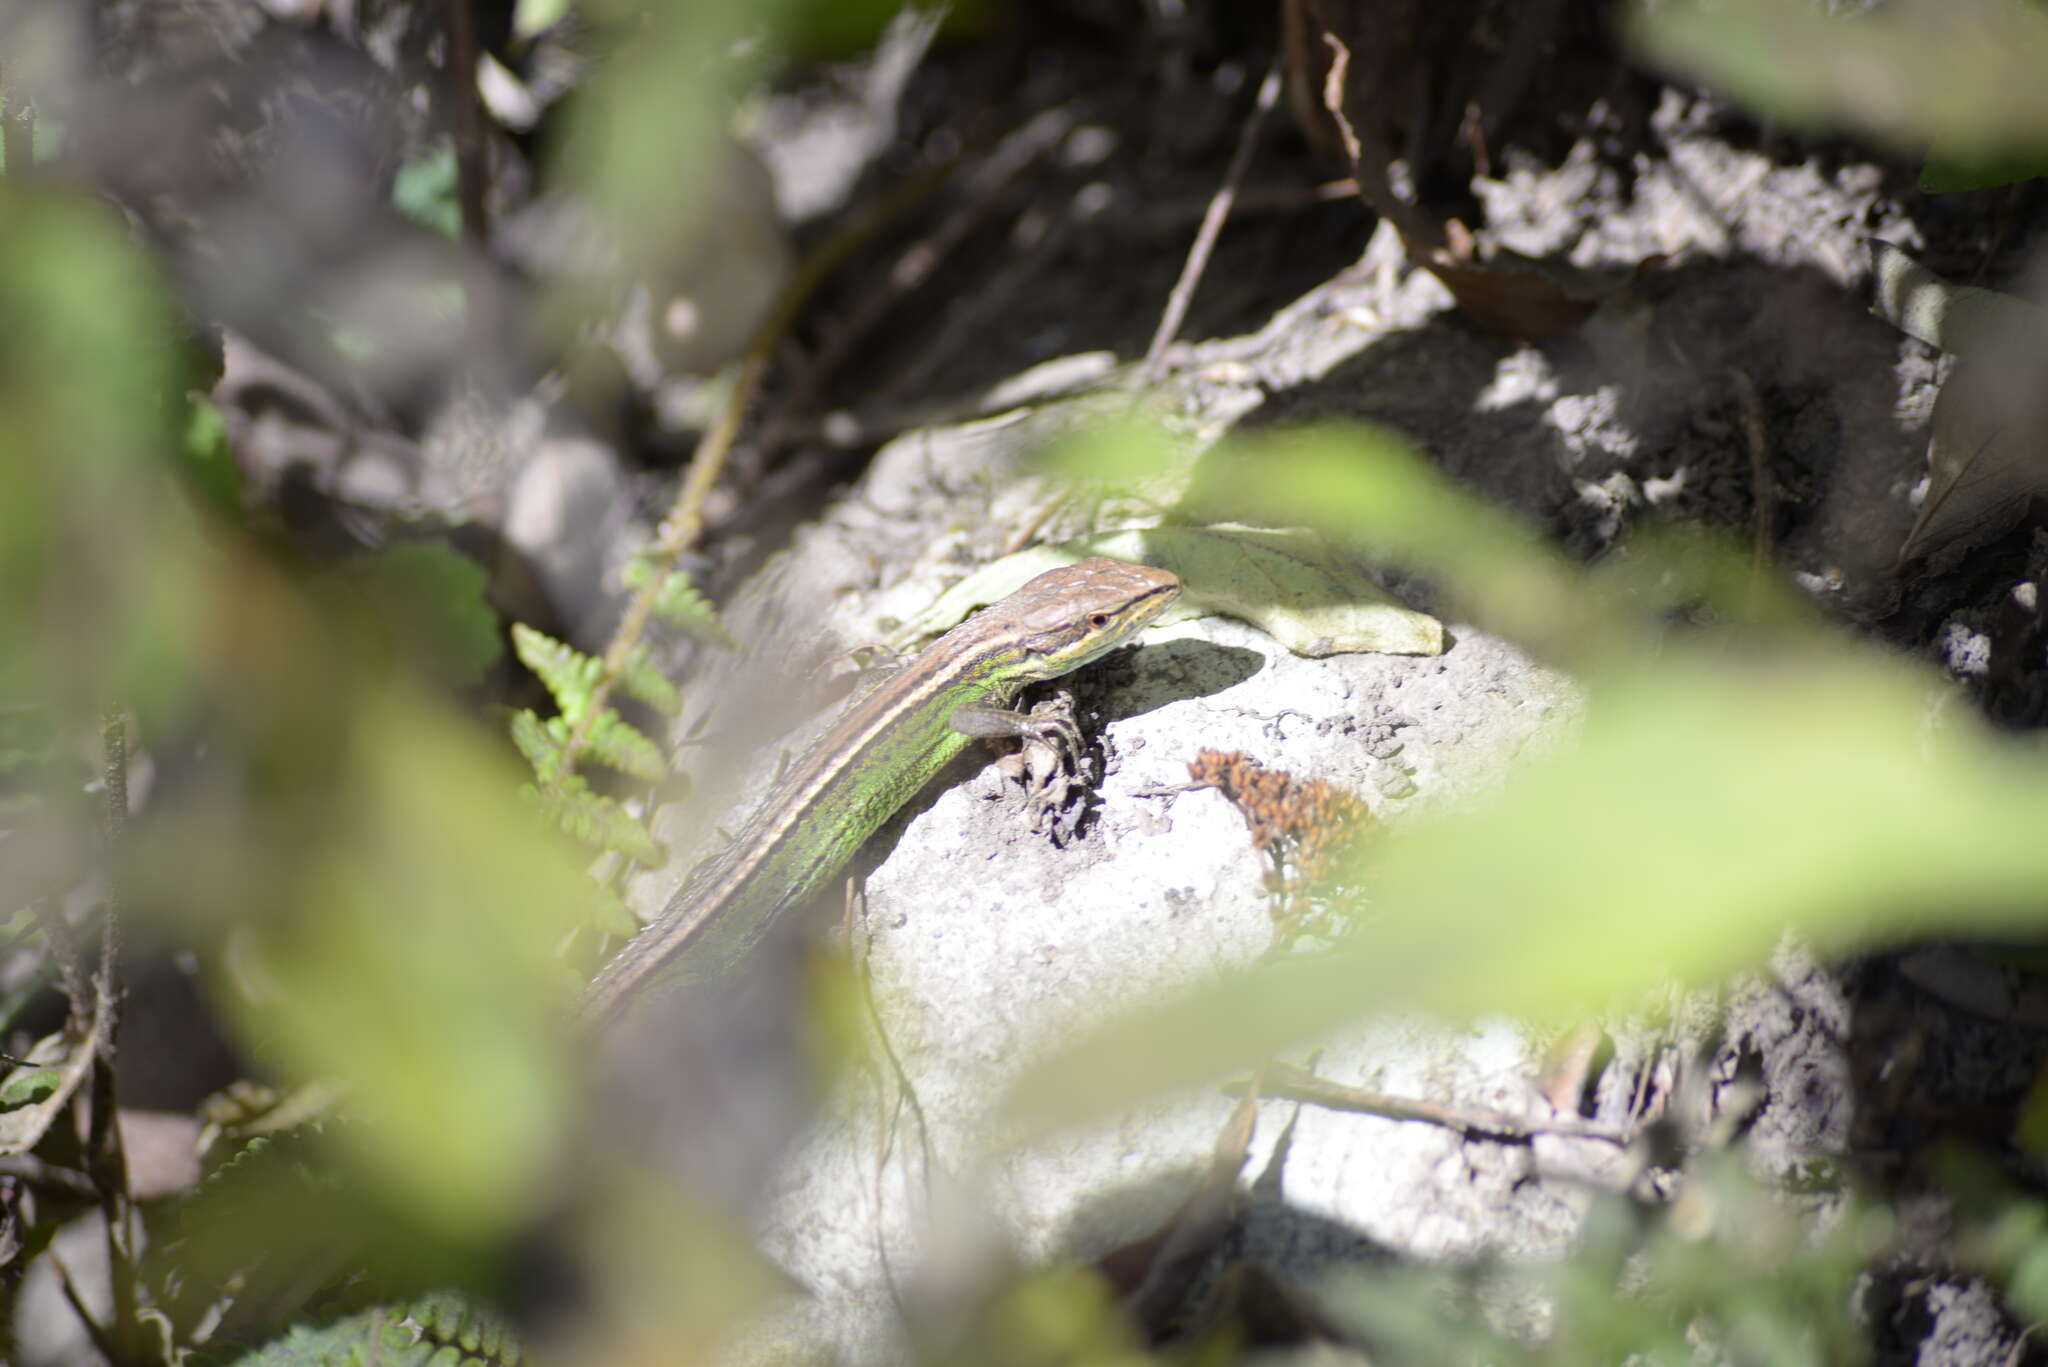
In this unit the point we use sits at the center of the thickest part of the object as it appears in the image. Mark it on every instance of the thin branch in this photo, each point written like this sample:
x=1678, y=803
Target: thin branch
x=1763, y=490
x=105, y=1160
x=40, y=1173
x=1298, y=1084
x=97, y=1332
x=471, y=166
x=1183, y=293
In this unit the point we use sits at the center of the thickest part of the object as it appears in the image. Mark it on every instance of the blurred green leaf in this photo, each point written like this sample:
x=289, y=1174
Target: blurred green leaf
x=1961, y=76
x=597, y=820
x=28, y=1086
x=1367, y=492
x=1948, y=174
x=829, y=29
x=1730, y=1272
x=208, y=461
x=424, y=191
x=438, y=1330
x=100, y=567
x=639, y=140
x=531, y=17
x=616, y=743
x=1287, y=582
x=570, y=675
x=436, y=597
x=419, y=969
x=1710, y=803
x=678, y=603
x=536, y=741
x=2028, y=1283
x=28, y=740
x=643, y=679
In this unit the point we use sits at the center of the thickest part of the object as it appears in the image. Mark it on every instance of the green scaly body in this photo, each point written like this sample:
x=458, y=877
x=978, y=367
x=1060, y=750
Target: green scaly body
x=874, y=759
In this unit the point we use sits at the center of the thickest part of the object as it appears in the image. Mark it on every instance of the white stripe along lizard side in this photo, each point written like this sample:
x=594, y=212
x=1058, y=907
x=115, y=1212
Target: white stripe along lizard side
x=875, y=758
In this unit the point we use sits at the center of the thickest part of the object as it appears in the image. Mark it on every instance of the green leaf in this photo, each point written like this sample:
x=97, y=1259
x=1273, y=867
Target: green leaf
x=538, y=742
x=612, y=741
x=596, y=820
x=1962, y=77
x=569, y=675
x=644, y=680
x=532, y=17
x=615, y=742
x=28, y=1086
x=1801, y=790
x=1291, y=584
x=2028, y=1284
x=207, y=460
x=424, y=191
x=28, y=739
x=678, y=603
x=1943, y=174
x=438, y=1330
x=103, y=567
x=617, y=919
x=417, y=965
x=437, y=595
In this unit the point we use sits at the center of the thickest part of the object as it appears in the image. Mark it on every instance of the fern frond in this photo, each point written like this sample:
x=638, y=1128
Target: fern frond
x=436, y=1330
x=677, y=602
x=596, y=820
x=539, y=742
x=645, y=681
x=611, y=916
x=570, y=675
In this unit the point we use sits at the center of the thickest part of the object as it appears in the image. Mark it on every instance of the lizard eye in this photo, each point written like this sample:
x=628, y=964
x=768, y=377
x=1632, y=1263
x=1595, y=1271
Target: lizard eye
x=1098, y=620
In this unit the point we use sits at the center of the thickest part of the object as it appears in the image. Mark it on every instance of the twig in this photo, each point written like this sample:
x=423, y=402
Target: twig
x=39, y=1173
x=1420, y=232
x=471, y=168
x=1298, y=1084
x=105, y=1160
x=97, y=1332
x=1333, y=102
x=1763, y=489
x=483, y=308
x=1212, y=224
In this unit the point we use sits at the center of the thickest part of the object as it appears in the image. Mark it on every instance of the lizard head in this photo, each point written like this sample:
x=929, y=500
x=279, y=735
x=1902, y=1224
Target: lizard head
x=1069, y=616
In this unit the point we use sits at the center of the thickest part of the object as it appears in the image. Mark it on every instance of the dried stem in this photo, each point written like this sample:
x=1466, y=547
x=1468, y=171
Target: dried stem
x=1212, y=222
x=105, y=1161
